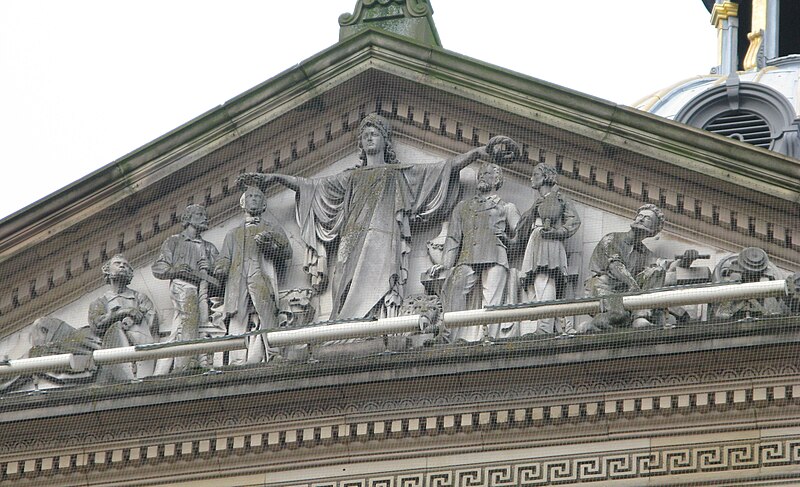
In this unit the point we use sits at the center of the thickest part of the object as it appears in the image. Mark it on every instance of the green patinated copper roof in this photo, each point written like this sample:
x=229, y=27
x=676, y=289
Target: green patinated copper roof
x=409, y=18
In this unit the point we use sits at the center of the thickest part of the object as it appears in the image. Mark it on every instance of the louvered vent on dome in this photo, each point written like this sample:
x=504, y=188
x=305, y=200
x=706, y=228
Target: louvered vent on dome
x=745, y=126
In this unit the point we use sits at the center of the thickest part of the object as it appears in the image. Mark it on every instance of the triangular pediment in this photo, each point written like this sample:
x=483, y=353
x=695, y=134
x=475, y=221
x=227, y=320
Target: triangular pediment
x=714, y=191
x=334, y=409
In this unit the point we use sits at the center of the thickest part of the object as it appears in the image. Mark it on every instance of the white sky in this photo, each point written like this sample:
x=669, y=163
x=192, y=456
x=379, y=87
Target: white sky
x=83, y=83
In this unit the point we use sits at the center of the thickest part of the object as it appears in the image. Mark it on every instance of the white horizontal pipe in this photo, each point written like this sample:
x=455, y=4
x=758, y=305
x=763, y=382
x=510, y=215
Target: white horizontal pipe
x=48, y=363
x=709, y=294
x=401, y=324
x=121, y=355
x=658, y=299
x=473, y=317
x=340, y=331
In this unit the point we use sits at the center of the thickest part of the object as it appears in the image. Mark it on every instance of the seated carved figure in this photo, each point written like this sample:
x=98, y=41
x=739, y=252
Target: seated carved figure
x=621, y=263
x=750, y=265
x=547, y=224
x=52, y=336
x=122, y=317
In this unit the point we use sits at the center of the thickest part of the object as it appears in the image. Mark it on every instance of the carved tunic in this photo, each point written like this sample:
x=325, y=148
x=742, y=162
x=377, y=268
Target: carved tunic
x=134, y=333
x=175, y=251
x=250, y=270
x=616, y=247
x=180, y=249
x=479, y=231
x=543, y=253
x=635, y=256
x=369, y=209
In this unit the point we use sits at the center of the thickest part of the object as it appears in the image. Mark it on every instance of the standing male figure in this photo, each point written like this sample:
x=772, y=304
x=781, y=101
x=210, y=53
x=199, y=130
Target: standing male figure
x=547, y=224
x=186, y=260
x=122, y=317
x=247, y=261
x=475, y=250
x=370, y=209
x=622, y=263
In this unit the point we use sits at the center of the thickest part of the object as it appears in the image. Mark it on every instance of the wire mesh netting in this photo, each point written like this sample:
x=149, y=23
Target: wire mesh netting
x=409, y=280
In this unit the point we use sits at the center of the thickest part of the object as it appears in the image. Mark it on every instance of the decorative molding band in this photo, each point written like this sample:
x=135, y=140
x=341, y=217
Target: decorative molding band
x=597, y=468
x=218, y=439
x=634, y=394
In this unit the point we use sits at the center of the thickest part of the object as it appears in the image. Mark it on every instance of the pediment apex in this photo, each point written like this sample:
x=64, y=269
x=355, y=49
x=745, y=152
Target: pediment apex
x=409, y=18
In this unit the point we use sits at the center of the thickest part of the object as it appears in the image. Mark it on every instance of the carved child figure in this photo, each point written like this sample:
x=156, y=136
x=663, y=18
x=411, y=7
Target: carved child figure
x=186, y=260
x=122, y=317
x=551, y=220
x=247, y=262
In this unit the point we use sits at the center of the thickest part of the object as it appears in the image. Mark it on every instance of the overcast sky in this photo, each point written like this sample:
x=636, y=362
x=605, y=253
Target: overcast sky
x=83, y=83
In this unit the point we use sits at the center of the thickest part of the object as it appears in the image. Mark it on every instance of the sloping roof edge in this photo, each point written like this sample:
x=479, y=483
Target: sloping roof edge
x=751, y=168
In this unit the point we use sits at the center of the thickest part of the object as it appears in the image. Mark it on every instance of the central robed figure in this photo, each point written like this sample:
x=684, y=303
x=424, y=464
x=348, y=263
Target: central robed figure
x=369, y=209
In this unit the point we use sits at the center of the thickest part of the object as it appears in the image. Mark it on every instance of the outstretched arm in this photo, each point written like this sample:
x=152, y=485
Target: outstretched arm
x=463, y=160
x=500, y=149
x=262, y=180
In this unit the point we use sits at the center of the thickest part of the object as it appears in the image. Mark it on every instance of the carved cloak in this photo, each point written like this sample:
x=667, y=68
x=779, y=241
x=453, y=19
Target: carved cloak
x=369, y=210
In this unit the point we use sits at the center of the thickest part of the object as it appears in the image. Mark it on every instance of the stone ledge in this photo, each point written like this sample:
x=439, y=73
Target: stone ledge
x=693, y=340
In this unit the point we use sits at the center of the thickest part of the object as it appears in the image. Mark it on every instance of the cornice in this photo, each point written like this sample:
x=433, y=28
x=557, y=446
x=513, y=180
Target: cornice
x=708, y=419
x=532, y=362
x=723, y=11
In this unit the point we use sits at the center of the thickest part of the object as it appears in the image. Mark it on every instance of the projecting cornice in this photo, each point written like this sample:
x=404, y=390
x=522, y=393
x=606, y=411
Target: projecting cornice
x=511, y=405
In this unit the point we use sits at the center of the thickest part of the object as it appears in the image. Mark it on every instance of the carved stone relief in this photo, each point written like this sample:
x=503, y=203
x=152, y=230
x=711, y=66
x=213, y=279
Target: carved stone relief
x=475, y=254
x=750, y=265
x=122, y=317
x=359, y=241
x=247, y=263
x=551, y=220
x=185, y=261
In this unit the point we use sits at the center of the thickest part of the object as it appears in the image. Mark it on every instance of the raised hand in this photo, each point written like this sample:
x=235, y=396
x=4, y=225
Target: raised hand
x=503, y=150
x=254, y=179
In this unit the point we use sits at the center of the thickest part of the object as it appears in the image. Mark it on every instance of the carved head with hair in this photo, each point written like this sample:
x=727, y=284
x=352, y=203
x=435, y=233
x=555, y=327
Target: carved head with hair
x=381, y=126
x=649, y=219
x=543, y=175
x=196, y=216
x=490, y=177
x=253, y=201
x=117, y=268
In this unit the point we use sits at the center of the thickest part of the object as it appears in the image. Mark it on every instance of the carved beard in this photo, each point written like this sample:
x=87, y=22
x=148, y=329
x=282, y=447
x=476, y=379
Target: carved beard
x=121, y=275
x=484, y=186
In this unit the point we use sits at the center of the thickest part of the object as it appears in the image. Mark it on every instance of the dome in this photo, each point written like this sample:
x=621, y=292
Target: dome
x=754, y=98
x=781, y=75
